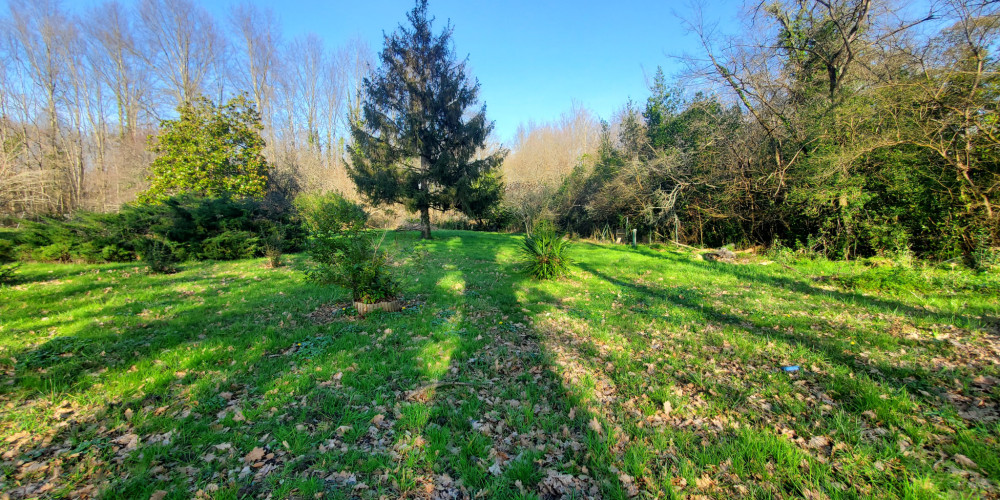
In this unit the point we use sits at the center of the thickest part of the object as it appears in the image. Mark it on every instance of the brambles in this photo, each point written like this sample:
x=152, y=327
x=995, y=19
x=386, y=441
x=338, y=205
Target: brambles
x=546, y=253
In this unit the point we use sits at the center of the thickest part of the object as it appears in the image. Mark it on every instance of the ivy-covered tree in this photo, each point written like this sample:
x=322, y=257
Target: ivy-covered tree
x=209, y=150
x=419, y=132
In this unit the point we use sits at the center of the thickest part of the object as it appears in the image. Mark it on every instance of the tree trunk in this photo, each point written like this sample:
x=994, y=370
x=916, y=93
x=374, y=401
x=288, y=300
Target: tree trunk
x=425, y=223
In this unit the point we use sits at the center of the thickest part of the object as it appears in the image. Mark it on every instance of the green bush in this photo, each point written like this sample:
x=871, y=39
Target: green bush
x=7, y=272
x=545, y=252
x=330, y=212
x=343, y=252
x=8, y=253
x=272, y=241
x=359, y=265
x=230, y=245
x=56, y=252
x=161, y=256
x=211, y=228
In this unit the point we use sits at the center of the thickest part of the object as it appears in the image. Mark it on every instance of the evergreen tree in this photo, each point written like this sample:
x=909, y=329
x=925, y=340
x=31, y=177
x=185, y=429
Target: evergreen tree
x=209, y=151
x=416, y=140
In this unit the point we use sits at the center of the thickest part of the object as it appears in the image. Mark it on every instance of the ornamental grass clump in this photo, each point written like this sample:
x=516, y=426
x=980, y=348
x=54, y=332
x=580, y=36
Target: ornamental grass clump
x=545, y=252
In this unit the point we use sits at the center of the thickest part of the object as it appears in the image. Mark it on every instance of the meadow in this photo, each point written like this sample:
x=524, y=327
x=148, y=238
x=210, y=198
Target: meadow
x=644, y=373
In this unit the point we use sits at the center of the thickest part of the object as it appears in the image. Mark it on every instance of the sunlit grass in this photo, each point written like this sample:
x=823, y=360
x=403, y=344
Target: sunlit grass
x=642, y=371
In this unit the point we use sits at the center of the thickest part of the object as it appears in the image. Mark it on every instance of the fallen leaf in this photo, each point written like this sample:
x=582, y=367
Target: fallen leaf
x=819, y=441
x=704, y=482
x=965, y=461
x=595, y=425
x=254, y=455
x=129, y=441
x=158, y=495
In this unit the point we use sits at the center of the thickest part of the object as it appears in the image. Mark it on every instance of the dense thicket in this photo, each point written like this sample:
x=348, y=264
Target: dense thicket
x=186, y=227
x=840, y=125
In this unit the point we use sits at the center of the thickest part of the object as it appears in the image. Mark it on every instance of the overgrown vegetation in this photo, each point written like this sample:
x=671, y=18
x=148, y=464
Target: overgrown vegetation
x=835, y=125
x=187, y=227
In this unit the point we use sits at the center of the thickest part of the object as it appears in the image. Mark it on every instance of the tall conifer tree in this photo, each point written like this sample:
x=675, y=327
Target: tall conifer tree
x=416, y=139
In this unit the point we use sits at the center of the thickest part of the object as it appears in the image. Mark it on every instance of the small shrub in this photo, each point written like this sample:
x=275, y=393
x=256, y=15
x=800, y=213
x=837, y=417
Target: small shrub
x=230, y=245
x=56, y=252
x=273, y=254
x=7, y=272
x=546, y=252
x=8, y=253
x=159, y=255
x=343, y=252
x=273, y=242
x=356, y=262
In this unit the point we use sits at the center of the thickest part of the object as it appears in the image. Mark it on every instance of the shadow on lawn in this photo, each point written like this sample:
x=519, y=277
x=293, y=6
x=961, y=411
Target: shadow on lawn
x=836, y=350
x=510, y=424
x=906, y=385
x=63, y=363
x=492, y=416
x=768, y=277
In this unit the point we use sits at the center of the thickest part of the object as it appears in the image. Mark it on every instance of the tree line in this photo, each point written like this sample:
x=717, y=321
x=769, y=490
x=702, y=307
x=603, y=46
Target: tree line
x=844, y=127
x=81, y=93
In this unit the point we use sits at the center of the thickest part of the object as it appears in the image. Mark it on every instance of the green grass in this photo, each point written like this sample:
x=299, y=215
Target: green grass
x=641, y=372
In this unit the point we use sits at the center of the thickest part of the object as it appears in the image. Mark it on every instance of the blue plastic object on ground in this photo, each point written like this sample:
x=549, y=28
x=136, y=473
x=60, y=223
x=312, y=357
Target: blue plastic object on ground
x=793, y=368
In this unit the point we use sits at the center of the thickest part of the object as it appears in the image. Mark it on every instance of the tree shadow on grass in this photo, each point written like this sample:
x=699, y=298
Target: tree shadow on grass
x=855, y=396
x=350, y=408
x=497, y=418
x=772, y=277
x=836, y=349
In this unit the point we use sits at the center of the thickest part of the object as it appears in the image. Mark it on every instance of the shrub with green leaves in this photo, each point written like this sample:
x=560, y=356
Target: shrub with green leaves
x=357, y=262
x=7, y=251
x=6, y=256
x=7, y=272
x=161, y=256
x=329, y=212
x=206, y=228
x=545, y=251
x=230, y=245
x=343, y=252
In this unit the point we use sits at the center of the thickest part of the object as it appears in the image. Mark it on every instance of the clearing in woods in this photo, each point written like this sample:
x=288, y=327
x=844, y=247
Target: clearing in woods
x=645, y=373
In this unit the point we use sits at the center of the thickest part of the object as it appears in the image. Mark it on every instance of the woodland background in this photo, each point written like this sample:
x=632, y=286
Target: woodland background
x=841, y=127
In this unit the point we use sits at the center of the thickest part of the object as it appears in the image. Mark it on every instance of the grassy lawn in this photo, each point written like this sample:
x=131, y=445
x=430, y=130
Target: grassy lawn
x=644, y=373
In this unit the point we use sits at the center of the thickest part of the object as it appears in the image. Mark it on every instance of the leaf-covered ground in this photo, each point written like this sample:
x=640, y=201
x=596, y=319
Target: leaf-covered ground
x=643, y=374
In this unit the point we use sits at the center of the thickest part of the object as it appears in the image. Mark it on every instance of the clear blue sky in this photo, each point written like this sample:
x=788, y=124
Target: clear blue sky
x=534, y=58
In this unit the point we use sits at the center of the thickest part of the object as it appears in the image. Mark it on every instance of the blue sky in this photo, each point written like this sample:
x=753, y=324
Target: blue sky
x=533, y=58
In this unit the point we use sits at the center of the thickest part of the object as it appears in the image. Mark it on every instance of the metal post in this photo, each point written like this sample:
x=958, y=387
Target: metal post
x=634, y=231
